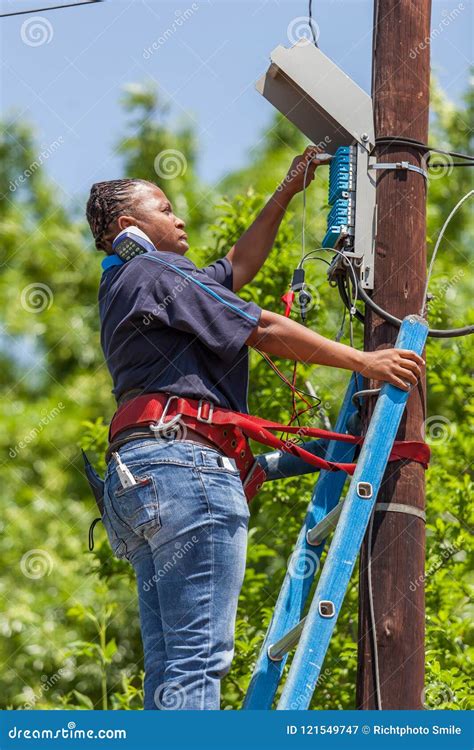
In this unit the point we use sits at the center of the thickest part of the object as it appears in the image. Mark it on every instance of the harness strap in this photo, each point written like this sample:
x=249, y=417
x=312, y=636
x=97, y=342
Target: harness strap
x=150, y=407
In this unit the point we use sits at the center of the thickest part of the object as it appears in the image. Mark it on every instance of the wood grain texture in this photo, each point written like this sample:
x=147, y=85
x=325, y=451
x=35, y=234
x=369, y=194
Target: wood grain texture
x=400, y=90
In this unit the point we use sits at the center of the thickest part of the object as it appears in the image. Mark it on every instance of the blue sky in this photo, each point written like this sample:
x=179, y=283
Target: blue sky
x=69, y=85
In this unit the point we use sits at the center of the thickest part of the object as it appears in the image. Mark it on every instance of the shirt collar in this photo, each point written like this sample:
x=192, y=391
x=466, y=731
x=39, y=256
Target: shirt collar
x=111, y=260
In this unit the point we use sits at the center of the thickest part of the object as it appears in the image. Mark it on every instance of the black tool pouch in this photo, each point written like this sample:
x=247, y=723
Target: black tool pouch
x=97, y=487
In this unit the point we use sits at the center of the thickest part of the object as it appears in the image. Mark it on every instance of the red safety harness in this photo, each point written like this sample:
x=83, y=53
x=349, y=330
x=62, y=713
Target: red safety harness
x=230, y=431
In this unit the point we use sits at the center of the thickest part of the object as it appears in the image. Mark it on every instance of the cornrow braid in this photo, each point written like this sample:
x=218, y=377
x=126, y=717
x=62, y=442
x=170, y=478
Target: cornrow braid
x=107, y=201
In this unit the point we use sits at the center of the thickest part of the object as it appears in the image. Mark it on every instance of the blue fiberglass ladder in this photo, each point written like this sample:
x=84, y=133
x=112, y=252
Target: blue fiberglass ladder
x=313, y=633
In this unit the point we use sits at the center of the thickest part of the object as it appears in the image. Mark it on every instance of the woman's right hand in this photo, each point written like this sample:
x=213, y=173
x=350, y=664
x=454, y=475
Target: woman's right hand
x=400, y=367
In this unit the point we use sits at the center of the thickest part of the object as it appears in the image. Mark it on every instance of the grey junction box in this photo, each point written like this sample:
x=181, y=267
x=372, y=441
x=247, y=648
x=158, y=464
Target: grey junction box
x=332, y=111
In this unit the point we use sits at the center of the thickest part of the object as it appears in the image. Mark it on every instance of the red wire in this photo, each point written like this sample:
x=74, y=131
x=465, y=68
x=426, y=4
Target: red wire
x=295, y=414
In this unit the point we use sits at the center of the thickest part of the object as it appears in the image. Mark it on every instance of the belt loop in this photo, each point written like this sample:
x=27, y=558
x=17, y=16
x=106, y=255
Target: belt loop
x=198, y=454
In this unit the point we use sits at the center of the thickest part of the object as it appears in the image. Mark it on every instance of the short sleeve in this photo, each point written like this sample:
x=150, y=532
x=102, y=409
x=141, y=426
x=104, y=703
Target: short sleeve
x=189, y=299
x=221, y=271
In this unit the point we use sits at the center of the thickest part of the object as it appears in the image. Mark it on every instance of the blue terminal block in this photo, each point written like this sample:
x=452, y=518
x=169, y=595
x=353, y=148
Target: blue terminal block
x=332, y=236
x=341, y=195
x=341, y=173
x=341, y=185
x=341, y=212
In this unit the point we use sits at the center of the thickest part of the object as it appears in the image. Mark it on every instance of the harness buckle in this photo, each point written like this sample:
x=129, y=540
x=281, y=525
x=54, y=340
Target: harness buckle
x=199, y=416
x=161, y=424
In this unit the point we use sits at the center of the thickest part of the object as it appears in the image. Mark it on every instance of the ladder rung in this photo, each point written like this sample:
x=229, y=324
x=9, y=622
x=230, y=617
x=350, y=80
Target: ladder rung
x=318, y=533
x=276, y=651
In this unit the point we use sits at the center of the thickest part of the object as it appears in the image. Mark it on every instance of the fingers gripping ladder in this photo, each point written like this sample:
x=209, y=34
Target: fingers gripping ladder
x=313, y=633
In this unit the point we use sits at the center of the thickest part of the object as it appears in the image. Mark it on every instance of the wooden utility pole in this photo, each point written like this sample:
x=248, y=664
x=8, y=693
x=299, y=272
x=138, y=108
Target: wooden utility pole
x=400, y=91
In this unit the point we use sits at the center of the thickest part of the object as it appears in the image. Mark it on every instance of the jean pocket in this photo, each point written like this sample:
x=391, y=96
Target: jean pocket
x=224, y=491
x=137, y=506
x=213, y=461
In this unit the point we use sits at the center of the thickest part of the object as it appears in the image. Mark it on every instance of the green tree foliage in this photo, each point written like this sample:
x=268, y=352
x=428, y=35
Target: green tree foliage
x=69, y=631
x=155, y=151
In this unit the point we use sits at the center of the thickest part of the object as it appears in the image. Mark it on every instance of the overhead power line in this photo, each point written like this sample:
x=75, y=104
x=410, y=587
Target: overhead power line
x=51, y=7
x=310, y=20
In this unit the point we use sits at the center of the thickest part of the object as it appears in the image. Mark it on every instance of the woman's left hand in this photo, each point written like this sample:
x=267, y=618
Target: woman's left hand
x=295, y=178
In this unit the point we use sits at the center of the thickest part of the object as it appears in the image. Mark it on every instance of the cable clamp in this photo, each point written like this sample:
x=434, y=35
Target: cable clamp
x=400, y=165
x=401, y=508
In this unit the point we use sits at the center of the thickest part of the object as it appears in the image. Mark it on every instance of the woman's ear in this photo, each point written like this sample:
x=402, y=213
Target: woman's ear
x=126, y=221
x=115, y=227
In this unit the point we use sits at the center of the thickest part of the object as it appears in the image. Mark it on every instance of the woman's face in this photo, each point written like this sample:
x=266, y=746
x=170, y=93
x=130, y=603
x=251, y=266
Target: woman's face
x=153, y=214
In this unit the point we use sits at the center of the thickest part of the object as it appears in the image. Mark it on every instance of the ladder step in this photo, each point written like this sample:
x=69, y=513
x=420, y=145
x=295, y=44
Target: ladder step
x=318, y=533
x=277, y=650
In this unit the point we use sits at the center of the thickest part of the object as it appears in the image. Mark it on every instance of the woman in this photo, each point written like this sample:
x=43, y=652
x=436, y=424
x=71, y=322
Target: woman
x=174, y=505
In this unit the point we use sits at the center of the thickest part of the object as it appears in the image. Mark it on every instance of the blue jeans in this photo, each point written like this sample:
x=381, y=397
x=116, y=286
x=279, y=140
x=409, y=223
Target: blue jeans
x=183, y=528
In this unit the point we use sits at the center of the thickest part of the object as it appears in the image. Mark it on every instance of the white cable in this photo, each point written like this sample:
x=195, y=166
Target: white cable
x=340, y=332
x=351, y=330
x=304, y=207
x=316, y=157
x=311, y=252
x=378, y=692
x=438, y=241
x=307, y=255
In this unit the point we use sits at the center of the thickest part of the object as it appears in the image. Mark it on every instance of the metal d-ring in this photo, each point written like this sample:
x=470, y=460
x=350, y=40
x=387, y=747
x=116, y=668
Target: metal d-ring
x=161, y=424
x=199, y=416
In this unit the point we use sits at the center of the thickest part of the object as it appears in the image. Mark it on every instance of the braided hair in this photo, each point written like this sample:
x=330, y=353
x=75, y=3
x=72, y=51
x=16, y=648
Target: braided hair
x=107, y=201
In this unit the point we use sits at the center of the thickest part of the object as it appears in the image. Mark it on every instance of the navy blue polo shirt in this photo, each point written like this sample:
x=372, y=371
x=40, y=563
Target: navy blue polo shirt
x=176, y=328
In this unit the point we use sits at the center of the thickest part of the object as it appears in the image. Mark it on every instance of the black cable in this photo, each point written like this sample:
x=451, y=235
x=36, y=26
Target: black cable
x=364, y=393
x=310, y=18
x=343, y=292
x=394, y=139
x=51, y=7
x=451, y=164
x=340, y=331
x=435, y=333
x=316, y=257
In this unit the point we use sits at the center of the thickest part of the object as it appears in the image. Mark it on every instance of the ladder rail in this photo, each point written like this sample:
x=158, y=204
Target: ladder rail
x=350, y=531
x=295, y=588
